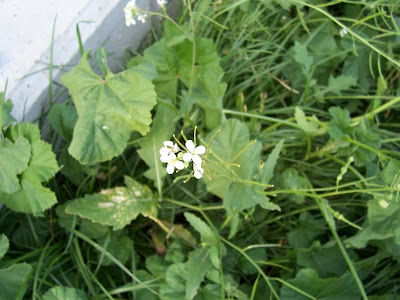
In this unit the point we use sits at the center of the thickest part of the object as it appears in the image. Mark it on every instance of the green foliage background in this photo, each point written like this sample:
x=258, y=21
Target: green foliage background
x=299, y=199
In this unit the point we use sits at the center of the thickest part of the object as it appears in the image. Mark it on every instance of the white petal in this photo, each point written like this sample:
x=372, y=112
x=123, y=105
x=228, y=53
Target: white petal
x=168, y=143
x=179, y=165
x=189, y=145
x=200, y=150
x=175, y=148
x=187, y=157
x=198, y=168
x=164, y=151
x=198, y=175
x=170, y=169
x=171, y=157
x=197, y=160
x=164, y=158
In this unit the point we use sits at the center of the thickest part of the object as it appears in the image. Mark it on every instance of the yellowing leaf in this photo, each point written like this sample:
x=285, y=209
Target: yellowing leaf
x=64, y=293
x=116, y=207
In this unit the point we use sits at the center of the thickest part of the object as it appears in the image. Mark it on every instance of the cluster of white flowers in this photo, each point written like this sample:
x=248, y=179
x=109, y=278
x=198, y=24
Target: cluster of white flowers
x=343, y=32
x=132, y=11
x=177, y=159
x=162, y=3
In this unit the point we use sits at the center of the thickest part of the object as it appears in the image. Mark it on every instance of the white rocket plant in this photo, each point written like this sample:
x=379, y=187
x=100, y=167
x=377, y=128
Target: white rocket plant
x=133, y=13
x=179, y=159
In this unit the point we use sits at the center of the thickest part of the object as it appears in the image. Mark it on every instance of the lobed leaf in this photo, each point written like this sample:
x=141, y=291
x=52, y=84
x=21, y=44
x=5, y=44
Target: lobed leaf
x=235, y=185
x=108, y=109
x=14, y=160
x=33, y=197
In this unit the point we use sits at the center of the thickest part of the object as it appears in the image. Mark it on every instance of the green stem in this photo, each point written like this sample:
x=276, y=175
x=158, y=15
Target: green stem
x=267, y=279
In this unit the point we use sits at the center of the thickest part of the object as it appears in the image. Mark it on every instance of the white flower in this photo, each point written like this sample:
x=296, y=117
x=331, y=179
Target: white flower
x=173, y=163
x=193, y=153
x=169, y=147
x=129, y=10
x=132, y=11
x=161, y=2
x=198, y=171
x=142, y=18
x=343, y=32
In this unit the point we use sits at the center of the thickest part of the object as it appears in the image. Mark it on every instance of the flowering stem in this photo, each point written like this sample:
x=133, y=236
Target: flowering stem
x=243, y=150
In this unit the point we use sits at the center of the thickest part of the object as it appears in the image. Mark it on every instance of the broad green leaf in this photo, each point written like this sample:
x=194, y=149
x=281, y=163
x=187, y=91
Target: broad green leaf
x=27, y=130
x=207, y=88
x=174, y=252
x=12, y=280
x=208, y=236
x=109, y=109
x=92, y=230
x=367, y=134
x=120, y=247
x=198, y=264
x=14, y=160
x=156, y=265
x=73, y=170
x=302, y=57
x=390, y=175
x=162, y=130
x=339, y=126
x=230, y=182
x=232, y=138
x=22, y=234
x=144, y=293
x=4, y=244
x=166, y=82
x=62, y=118
x=291, y=180
x=340, y=83
x=175, y=285
x=306, y=232
x=327, y=260
x=257, y=255
x=307, y=280
x=116, y=207
x=383, y=223
x=43, y=163
x=33, y=197
x=64, y=293
x=242, y=196
x=86, y=227
x=209, y=292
